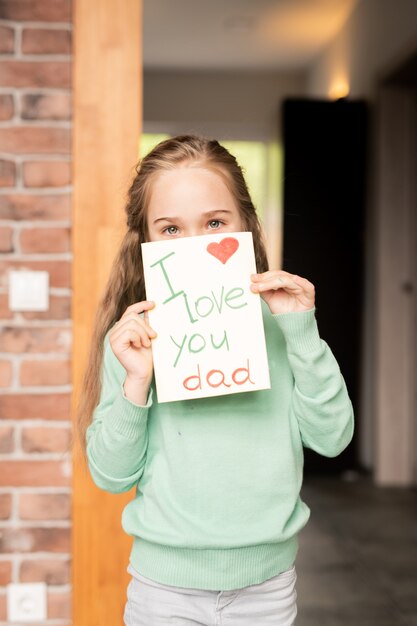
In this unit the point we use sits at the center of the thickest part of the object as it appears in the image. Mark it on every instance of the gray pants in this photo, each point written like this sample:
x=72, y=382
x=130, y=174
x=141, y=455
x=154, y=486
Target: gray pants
x=150, y=603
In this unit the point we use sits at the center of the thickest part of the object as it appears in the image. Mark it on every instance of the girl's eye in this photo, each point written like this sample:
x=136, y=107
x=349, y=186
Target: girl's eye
x=215, y=223
x=171, y=230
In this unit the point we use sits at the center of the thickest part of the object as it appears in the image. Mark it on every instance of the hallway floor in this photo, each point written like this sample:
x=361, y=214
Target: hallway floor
x=357, y=562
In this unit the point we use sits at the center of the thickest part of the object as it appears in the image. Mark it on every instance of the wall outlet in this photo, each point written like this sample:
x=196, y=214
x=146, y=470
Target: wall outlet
x=26, y=602
x=28, y=291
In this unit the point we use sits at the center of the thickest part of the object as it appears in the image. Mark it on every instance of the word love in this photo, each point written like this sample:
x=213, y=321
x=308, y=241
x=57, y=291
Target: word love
x=205, y=305
x=216, y=378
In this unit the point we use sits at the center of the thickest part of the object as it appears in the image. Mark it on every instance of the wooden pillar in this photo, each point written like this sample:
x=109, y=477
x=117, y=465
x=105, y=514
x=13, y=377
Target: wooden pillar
x=107, y=87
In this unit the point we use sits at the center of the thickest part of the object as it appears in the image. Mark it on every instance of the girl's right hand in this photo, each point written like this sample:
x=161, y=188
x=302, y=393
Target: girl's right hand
x=130, y=340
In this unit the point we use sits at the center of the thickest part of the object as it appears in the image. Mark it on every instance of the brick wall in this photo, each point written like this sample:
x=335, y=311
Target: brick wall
x=35, y=194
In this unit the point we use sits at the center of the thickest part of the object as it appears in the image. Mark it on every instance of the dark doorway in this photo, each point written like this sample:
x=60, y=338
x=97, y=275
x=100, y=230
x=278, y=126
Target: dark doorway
x=324, y=219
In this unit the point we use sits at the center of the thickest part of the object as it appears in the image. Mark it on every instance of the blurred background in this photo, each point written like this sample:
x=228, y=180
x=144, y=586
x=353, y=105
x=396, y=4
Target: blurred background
x=318, y=101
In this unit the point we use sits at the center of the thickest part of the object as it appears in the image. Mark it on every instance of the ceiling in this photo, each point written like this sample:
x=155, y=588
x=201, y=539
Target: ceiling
x=239, y=34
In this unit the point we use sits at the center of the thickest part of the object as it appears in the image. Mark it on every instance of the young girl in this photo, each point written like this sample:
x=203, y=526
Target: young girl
x=217, y=507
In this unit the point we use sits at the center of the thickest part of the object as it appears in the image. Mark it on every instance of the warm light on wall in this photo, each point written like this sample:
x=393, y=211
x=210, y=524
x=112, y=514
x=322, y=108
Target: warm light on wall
x=339, y=88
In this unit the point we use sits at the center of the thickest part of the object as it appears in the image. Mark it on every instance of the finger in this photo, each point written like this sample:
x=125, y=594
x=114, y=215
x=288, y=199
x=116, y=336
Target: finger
x=140, y=307
x=303, y=281
x=278, y=282
x=136, y=319
x=124, y=332
x=146, y=317
x=131, y=335
x=270, y=274
x=123, y=340
x=135, y=322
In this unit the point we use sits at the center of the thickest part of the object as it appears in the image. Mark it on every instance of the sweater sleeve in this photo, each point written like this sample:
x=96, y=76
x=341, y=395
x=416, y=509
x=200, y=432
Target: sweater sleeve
x=117, y=437
x=320, y=398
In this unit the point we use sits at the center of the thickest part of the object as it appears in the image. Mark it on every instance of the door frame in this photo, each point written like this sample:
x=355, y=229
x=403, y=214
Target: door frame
x=396, y=279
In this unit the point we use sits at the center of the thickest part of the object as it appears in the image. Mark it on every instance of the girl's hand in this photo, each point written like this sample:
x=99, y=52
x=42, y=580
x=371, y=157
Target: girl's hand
x=130, y=340
x=284, y=292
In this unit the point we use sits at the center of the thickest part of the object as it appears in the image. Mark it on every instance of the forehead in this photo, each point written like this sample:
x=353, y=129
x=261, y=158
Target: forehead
x=184, y=186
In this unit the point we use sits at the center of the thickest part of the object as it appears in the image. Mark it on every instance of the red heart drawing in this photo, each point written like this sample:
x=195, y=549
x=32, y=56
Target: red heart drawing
x=223, y=250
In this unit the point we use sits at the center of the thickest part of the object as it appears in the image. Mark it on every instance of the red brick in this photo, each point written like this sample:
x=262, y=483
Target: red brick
x=39, y=207
x=45, y=506
x=59, y=605
x=50, y=571
x=35, y=73
x=53, y=106
x=59, y=309
x=6, y=440
x=46, y=173
x=35, y=540
x=46, y=41
x=48, y=406
x=41, y=10
x=6, y=243
x=5, y=312
x=5, y=506
x=59, y=271
x=6, y=106
x=18, y=340
x=44, y=439
x=6, y=39
x=28, y=139
x=39, y=240
x=7, y=173
x=33, y=473
x=5, y=572
x=5, y=373
x=34, y=373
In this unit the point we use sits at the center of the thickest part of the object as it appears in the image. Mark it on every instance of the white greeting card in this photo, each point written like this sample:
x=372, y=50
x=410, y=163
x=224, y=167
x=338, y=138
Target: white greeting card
x=209, y=324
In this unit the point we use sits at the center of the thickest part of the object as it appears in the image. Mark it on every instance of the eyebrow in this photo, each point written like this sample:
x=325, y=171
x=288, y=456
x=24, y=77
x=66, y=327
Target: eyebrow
x=206, y=215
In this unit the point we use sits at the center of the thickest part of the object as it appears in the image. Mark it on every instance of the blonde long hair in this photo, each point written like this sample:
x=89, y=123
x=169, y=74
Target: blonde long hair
x=126, y=283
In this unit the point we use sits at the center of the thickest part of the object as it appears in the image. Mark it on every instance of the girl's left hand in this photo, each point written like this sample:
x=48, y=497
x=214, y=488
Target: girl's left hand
x=284, y=292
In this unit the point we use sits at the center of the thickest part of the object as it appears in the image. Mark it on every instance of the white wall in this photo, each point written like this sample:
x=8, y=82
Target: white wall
x=234, y=105
x=379, y=36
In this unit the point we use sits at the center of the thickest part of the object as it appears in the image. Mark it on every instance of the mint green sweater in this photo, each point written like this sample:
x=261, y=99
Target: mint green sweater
x=217, y=503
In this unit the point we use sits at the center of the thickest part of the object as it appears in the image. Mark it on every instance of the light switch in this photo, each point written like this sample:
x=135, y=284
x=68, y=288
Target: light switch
x=28, y=291
x=26, y=602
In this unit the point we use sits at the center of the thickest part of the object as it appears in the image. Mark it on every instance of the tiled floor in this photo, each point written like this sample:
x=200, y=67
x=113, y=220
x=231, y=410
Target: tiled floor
x=357, y=562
